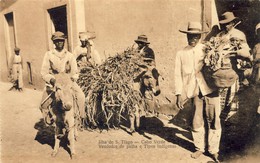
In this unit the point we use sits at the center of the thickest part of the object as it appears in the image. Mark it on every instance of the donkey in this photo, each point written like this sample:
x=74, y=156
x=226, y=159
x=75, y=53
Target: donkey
x=148, y=87
x=63, y=110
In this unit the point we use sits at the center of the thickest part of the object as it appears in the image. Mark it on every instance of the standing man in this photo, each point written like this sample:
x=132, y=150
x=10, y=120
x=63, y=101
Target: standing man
x=190, y=84
x=146, y=82
x=86, y=54
x=56, y=61
x=17, y=70
x=228, y=32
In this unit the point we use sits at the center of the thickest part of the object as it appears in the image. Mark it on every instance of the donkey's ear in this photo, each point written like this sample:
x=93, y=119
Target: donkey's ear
x=155, y=73
x=67, y=67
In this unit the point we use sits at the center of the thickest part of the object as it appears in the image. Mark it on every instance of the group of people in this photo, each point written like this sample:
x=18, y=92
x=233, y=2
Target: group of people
x=60, y=60
x=190, y=82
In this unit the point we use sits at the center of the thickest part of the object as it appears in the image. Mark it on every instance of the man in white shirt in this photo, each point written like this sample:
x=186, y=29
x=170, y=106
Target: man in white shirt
x=57, y=61
x=86, y=54
x=190, y=84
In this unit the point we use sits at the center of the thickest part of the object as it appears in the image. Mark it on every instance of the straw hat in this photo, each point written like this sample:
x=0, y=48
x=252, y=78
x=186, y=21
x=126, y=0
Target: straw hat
x=83, y=36
x=143, y=39
x=193, y=28
x=227, y=17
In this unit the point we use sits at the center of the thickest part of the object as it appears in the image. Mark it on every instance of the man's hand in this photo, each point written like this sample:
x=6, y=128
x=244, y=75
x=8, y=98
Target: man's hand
x=179, y=102
x=52, y=81
x=229, y=53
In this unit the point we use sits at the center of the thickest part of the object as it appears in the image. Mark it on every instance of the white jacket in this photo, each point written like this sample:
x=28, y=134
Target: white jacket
x=188, y=76
x=55, y=62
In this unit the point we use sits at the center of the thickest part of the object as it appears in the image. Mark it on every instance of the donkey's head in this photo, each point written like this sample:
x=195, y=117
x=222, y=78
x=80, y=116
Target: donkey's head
x=150, y=81
x=64, y=92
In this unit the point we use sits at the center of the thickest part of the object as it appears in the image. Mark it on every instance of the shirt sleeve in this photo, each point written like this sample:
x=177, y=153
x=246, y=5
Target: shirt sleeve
x=244, y=51
x=45, y=69
x=97, y=58
x=178, y=75
x=149, y=53
x=74, y=68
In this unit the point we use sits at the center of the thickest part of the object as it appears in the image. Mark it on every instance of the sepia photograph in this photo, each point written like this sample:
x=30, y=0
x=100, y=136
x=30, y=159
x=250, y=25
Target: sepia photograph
x=151, y=81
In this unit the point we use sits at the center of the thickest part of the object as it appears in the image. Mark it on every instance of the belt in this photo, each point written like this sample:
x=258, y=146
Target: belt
x=17, y=63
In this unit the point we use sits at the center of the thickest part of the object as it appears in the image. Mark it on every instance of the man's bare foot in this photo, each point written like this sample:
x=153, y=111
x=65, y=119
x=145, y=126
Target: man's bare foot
x=196, y=154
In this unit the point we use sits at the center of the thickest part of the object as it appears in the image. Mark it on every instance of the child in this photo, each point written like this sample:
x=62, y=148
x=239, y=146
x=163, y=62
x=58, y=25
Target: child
x=17, y=70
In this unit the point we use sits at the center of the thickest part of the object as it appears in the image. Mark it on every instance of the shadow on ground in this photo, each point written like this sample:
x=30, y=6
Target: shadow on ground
x=46, y=134
x=155, y=126
x=239, y=131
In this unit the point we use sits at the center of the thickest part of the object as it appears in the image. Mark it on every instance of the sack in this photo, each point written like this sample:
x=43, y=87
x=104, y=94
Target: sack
x=221, y=78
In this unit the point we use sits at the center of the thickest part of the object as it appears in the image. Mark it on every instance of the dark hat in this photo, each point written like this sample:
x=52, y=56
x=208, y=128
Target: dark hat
x=58, y=36
x=193, y=28
x=227, y=17
x=142, y=38
x=16, y=49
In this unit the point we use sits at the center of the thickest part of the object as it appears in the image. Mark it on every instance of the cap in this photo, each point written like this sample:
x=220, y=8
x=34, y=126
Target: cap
x=58, y=36
x=16, y=49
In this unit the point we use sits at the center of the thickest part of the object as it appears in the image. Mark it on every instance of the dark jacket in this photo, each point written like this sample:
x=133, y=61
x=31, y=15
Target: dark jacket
x=148, y=52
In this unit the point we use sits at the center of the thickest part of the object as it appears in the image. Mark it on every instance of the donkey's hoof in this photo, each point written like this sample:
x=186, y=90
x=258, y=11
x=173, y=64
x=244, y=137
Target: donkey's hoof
x=73, y=156
x=54, y=153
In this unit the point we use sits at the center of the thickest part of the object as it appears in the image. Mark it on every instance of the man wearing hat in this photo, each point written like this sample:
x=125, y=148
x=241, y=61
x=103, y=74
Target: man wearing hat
x=86, y=54
x=228, y=23
x=146, y=82
x=17, y=70
x=55, y=61
x=144, y=49
x=191, y=85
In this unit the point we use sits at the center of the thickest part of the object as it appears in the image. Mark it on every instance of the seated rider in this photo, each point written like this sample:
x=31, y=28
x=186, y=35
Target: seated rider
x=56, y=61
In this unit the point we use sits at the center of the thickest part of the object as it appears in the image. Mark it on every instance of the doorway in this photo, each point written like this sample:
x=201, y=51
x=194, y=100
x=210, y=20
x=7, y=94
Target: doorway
x=58, y=22
x=9, y=36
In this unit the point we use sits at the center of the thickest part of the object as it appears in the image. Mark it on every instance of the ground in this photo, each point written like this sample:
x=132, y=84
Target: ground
x=25, y=138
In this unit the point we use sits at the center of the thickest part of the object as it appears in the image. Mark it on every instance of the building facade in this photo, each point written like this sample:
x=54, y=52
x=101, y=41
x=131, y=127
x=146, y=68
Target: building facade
x=29, y=24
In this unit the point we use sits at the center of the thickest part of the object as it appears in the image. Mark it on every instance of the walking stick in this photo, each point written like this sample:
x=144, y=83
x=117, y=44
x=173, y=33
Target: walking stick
x=47, y=98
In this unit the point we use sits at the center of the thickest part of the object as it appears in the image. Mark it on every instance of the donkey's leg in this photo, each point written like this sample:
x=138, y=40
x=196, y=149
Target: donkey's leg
x=137, y=119
x=76, y=134
x=72, y=141
x=71, y=132
x=132, y=122
x=56, y=146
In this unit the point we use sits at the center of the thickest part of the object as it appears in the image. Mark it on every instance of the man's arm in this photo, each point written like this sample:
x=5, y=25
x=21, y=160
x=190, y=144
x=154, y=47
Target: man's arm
x=74, y=69
x=178, y=81
x=46, y=68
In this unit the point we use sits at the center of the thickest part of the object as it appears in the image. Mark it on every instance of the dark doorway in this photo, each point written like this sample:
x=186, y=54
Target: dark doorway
x=58, y=17
x=10, y=36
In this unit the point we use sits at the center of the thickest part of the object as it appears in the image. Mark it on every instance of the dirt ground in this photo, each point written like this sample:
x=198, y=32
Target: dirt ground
x=25, y=138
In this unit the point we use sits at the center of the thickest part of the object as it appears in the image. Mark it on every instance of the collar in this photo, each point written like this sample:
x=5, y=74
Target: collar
x=60, y=54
